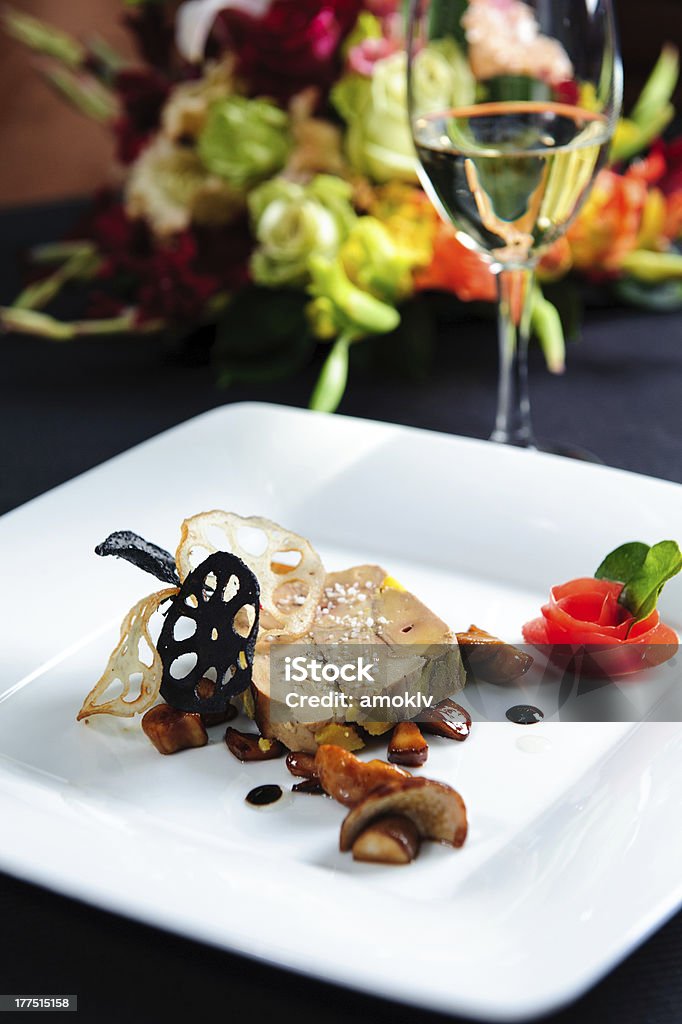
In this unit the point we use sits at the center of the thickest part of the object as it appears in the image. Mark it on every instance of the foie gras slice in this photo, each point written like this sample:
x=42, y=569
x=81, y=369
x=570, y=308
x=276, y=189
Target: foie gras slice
x=359, y=606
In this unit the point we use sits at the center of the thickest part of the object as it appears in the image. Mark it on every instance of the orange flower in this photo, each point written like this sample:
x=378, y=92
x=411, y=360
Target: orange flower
x=608, y=226
x=454, y=268
x=556, y=261
x=408, y=215
x=672, y=226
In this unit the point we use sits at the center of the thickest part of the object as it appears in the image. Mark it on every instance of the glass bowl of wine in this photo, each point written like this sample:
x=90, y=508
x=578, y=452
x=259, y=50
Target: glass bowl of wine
x=512, y=108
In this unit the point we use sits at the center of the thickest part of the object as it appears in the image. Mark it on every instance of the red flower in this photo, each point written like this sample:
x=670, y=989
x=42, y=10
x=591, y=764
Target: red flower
x=364, y=56
x=568, y=92
x=124, y=244
x=142, y=94
x=295, y=45
x=172, y=289
x=585, y=613
x=223, y=253
x=171, y=281
x=671, y=178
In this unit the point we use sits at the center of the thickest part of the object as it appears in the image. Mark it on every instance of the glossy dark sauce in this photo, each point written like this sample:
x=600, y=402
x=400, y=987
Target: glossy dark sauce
x=311, y=786
x=260, y=796
x=525, y=714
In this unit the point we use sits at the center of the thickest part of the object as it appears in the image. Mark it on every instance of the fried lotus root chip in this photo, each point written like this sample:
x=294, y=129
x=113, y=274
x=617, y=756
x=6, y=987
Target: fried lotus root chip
x=142, y=553
x=209, y=635
x=125, y=662
x=289, y=570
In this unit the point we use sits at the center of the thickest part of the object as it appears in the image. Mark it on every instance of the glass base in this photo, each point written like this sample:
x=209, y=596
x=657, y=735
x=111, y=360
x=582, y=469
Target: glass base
x=568, y=451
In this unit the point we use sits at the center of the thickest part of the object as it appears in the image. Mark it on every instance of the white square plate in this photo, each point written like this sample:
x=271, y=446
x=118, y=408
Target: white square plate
x=574, y=852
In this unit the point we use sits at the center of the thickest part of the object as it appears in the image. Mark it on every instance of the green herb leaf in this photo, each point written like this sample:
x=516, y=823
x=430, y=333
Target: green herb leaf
x=623, y=563
x=640, y=594
x=644, y=570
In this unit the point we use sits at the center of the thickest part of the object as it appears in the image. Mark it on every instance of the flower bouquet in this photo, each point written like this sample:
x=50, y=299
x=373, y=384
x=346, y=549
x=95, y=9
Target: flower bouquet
x=267, y=184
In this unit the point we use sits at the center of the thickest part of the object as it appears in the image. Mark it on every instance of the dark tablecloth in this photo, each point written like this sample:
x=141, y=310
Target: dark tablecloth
x=65, y=408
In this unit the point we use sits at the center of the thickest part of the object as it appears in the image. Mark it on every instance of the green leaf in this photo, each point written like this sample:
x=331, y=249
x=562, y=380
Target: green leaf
x=661, y=298
x=640, y=594
x=110, y=61
x=446, y=20
x=659, y=88
x=59, y=252
x=653, y=267
x=623, y=563
x=28, y=321
x=84, y=93
x=515, y=88
x=652, y=112
x=546, y=323
x=82, y=265
x=262, y=335
x=567, y=297
x=644, y=570
x=332, y=381
x=43, y=38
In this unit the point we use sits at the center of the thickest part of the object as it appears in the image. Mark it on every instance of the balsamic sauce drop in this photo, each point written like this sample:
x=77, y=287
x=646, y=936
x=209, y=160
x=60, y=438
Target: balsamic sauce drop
x=525, y=714
x=259, y=796
x=308, y=786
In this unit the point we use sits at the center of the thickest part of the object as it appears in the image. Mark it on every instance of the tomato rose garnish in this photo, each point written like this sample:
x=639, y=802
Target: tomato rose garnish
x=586, y=613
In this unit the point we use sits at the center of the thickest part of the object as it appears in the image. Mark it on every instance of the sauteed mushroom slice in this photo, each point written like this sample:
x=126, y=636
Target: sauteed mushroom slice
x=407, y=745
x=446, y=719
x=347, y=779
x=490, y=659
x=437, y=811
x=391, y=840
x=249, y=746
x=171, y=730
x=301, y=764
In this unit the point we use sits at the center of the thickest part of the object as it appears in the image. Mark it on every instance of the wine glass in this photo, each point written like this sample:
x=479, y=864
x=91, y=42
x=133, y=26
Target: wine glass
x=512, y=107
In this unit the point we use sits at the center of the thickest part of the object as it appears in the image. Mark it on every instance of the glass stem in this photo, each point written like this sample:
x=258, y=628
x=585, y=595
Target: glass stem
x=512, y=422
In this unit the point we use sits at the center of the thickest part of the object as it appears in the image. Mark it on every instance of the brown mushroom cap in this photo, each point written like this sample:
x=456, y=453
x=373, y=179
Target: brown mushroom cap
x=490, y=659
x=437, y=811
x=392, y=840
x=347, y=779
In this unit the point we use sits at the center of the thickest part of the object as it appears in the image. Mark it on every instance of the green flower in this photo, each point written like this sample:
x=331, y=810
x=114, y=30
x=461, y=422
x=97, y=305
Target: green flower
x=367, y=26
x=170, y=188
x=244, y=140
x=378, y=265
x=293, y=222
x=378, y=141
x=442, y=78
x=652, y=112
x=354, y=294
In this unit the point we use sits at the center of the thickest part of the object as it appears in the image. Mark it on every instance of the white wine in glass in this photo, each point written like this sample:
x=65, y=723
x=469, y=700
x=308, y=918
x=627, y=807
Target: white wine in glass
x=510, y=147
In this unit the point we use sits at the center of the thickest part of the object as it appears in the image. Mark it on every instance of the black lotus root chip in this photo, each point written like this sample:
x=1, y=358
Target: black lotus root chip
x=222, y=640
x=142, y=553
